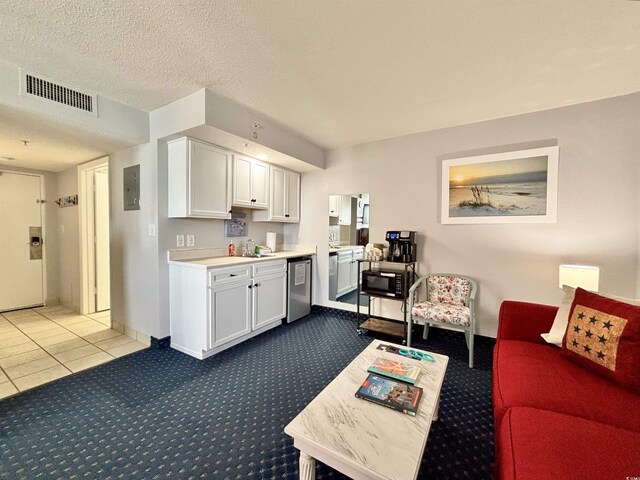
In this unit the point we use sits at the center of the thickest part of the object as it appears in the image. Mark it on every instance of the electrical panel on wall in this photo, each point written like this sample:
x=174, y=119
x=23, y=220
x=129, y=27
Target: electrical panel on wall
x=131, y=186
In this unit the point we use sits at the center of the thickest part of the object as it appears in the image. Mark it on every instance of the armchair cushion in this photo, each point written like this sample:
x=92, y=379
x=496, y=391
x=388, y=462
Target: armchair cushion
x=443, y=313
x=448, y=289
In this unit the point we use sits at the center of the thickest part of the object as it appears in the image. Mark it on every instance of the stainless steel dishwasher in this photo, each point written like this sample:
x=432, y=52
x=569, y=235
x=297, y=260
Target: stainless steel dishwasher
x=299, y=288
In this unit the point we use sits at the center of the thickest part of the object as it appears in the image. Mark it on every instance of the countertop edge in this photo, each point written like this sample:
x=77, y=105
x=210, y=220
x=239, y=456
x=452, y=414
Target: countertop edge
x=231, y=261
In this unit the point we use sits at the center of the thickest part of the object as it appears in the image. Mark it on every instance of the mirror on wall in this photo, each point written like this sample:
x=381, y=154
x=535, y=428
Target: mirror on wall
x=349, y=216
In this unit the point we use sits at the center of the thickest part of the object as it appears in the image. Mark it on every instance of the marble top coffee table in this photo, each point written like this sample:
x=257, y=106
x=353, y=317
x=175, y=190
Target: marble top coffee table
x=359, y=438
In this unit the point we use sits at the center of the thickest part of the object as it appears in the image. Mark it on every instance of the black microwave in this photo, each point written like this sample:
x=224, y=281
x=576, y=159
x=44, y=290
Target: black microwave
x=389, y=284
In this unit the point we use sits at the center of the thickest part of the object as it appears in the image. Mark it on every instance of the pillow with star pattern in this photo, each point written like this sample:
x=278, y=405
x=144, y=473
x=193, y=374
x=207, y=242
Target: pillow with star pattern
x=603, y=334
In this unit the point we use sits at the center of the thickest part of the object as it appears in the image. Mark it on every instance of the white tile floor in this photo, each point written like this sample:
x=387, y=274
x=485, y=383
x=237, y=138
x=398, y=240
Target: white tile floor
x=39, y=345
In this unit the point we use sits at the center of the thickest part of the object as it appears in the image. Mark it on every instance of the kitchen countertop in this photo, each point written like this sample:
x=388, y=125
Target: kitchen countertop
x=226, y=261
x=342, y=248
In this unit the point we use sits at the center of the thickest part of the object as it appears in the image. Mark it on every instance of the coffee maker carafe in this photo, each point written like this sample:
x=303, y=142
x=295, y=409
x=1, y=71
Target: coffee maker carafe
x=402, y=245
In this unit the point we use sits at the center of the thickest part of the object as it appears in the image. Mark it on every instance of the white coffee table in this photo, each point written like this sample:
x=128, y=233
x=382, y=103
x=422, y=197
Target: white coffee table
x=359, y=438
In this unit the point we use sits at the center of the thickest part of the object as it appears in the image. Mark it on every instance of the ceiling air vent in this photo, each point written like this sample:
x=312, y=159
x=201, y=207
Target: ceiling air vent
x=39, y=87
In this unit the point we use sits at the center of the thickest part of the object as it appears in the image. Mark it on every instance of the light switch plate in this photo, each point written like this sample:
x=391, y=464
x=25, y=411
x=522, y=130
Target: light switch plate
x=191, y=240
x=180, y=240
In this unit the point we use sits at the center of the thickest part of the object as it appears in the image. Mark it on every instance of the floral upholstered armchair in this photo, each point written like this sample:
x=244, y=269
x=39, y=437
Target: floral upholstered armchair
x=450, y=301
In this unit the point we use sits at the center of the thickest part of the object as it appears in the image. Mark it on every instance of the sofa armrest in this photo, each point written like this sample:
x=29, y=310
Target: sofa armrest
x=525, y=321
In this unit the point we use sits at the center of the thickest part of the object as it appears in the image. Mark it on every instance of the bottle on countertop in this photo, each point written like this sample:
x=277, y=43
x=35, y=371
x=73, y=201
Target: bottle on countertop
x=232, y=249
x=249, y=248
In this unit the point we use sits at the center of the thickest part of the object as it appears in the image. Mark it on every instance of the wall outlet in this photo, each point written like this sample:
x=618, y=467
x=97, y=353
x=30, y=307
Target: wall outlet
x=191, y=240
x=152, y=229
x=180, y=240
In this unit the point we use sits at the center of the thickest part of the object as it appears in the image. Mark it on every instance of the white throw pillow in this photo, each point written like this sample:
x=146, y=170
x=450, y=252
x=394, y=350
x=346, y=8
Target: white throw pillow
x=556, y=334
x=559, y=327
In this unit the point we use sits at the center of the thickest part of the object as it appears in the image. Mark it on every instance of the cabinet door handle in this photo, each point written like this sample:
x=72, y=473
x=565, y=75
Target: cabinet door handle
x=257, y=285
x=232, y=274
x=286, y=215
x=250, y=286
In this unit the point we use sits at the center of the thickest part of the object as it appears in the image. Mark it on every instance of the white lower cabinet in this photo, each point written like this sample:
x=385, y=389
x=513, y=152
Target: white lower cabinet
x=347, y=274
x=358, y=254
x=229, y=312
x=345, y=259
x=215, y=308
x=269, y=300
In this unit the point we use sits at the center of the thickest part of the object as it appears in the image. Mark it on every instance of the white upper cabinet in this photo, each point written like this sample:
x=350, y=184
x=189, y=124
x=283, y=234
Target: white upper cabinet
x=334, y=205
x=292, y=192
x=344, y=215
x=340, y=208
x=285, y=197
x=250, y=183
x=199, y=176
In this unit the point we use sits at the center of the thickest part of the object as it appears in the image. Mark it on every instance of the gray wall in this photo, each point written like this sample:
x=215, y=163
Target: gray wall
x=598, y=207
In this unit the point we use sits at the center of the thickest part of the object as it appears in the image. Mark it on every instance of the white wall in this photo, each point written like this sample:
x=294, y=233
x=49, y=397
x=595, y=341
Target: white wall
x=208, y=234
x=598, y=208
x=139, y=269
x=638, y=225
x=115, y=121
x=68, y=252
x=134, y=254
x=598, y=211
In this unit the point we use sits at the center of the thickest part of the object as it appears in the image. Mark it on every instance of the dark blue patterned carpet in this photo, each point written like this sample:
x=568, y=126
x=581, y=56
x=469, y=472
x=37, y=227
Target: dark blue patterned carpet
x=160, y=414
x=352, y=297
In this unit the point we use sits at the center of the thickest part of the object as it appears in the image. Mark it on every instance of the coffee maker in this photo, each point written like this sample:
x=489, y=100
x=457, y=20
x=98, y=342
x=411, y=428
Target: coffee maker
x=402, y=245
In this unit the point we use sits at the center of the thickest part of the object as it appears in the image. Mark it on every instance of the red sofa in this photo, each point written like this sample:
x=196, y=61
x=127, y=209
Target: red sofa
x=554, y=418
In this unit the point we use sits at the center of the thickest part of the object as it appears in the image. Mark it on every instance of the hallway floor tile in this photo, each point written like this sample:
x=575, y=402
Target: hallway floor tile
x=39, y=345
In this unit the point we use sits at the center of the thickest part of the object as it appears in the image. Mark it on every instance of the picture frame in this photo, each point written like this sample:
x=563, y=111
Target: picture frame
x=508, y=187
x=237, y=226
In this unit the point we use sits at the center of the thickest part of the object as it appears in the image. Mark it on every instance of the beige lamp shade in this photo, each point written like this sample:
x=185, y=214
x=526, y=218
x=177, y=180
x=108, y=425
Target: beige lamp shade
x=583, y=276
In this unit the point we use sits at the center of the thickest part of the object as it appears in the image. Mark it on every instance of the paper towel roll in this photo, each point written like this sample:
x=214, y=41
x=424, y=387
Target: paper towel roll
x=271, y=240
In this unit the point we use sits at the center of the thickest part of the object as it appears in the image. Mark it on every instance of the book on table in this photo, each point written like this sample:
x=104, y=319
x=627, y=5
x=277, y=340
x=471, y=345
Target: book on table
x=390, y=393
x=395, y=369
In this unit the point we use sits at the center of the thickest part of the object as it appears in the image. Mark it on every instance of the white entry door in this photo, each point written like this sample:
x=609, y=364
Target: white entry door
x=21, y=277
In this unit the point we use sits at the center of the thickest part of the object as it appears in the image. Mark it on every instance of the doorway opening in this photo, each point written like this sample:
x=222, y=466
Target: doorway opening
x=94, y=236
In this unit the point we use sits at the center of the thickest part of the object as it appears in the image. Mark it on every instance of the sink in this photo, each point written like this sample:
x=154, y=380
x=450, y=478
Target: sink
x=259, y=255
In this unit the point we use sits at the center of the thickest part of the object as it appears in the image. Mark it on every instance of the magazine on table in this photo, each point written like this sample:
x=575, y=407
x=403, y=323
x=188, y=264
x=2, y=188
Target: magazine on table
x=395, y=369
x=390, y=393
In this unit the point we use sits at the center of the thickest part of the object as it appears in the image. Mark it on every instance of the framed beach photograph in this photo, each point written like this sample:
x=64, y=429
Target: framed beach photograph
x=508, y=187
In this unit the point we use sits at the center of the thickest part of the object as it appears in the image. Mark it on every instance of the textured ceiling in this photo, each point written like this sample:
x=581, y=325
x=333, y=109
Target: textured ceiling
x=51, y=146
x=337, y=72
